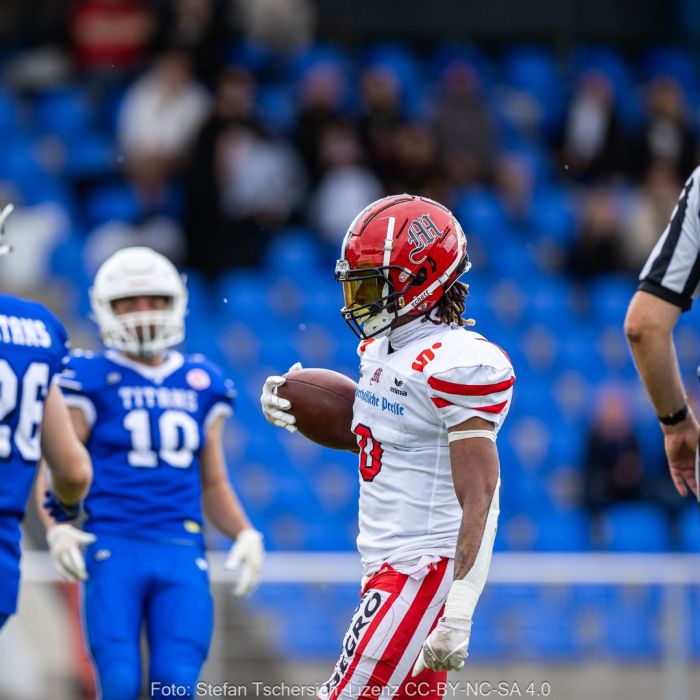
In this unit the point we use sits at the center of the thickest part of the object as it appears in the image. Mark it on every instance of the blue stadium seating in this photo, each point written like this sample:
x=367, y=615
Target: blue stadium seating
x=64, y=112
x=564, y=339
x=113, y=203
x=636, y=527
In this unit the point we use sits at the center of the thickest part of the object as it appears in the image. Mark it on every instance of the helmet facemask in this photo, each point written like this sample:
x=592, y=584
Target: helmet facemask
x=372, y=304
x=143, y=334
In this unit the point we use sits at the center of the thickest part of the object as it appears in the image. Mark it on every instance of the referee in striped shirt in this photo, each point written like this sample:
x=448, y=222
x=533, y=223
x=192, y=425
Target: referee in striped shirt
x=669, y=282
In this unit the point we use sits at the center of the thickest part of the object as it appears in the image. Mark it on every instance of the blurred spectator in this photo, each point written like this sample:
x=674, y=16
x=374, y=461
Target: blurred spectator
x=160, y=233
x=261, y=183
x=650, y=213
x=667, y=136
x=198, y=27
x=612, y=468
x=593, y=145
x=599, y=246
x=241, y=185
x=463, y=127
x=283, y=25
x=110, y=36
x=515, y=184
x=234, y=108
x=346, y=187
x=36, y=232
x=319, y=107
x=416, y=166
x=159, y=119
x=381, y=117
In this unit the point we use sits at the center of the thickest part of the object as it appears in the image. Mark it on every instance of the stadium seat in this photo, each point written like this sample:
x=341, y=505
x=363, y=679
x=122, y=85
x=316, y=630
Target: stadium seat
x=115, y=202
x=63, y=112
x=609, y=297
x=92, y=155
x=10, y=119
x=554, y=217
x=531, y=71
x=636, y=527
x=690, y=529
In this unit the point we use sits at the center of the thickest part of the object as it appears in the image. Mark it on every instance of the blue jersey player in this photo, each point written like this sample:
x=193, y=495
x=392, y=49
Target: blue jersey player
x=153, y=422
x=33, y=420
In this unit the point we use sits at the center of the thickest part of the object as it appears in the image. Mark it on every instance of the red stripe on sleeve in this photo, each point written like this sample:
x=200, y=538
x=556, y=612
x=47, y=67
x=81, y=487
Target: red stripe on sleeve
x=470, y=389
x=441, y=403
x=496, y=408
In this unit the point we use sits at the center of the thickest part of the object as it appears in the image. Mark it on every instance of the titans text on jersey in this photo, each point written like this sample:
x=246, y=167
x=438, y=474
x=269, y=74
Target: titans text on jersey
x=147, y=428
x=33, y=346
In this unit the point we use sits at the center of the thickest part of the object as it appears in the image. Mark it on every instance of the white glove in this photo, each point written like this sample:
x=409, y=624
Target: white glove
x=65, y=542
x=274, y=407
x=246, y=556
x=446, y=647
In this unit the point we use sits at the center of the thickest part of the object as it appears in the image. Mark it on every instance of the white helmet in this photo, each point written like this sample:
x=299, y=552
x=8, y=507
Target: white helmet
x=139, y=271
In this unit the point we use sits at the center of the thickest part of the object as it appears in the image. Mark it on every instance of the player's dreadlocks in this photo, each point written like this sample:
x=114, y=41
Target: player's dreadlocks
x=451, y=307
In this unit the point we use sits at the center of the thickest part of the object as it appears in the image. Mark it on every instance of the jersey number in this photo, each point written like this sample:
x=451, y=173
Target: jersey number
x=179, y=438
x=370, y=452
x=35, y=384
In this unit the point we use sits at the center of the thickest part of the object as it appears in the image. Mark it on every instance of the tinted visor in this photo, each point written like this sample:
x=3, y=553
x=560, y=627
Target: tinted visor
x=362, y=292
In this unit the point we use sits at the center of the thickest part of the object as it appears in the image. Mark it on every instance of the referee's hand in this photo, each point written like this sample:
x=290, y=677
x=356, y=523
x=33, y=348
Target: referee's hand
x=681, y=444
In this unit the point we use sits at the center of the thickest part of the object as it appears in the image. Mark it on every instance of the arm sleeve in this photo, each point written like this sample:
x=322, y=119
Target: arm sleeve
x=672, y=271
x=73, y=381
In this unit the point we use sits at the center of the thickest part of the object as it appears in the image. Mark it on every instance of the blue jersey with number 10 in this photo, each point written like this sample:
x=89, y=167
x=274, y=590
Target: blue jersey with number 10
x=147, y=429
x=33, y=346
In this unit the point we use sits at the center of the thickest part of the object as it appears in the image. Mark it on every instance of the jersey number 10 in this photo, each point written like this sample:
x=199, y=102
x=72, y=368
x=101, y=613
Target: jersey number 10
x=179, y=438
x=35, y=384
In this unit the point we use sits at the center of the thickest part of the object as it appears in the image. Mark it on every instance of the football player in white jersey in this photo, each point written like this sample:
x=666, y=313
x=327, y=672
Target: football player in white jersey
x=431, y=398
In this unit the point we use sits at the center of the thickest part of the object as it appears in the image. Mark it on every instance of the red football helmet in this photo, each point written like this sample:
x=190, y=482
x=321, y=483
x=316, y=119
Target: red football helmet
x=399, y=256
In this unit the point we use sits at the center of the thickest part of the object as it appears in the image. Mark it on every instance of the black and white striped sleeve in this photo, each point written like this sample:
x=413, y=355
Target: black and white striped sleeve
x=672, y=271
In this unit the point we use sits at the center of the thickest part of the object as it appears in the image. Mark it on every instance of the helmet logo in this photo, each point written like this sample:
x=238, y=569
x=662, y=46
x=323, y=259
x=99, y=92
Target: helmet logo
x=421, y=233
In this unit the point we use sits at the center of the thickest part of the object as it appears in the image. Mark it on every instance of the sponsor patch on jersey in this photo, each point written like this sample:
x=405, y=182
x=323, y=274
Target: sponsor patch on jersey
x=398, y=387
x=380, y=402
x=376, y=376
x=198, y=379
x=102, y=554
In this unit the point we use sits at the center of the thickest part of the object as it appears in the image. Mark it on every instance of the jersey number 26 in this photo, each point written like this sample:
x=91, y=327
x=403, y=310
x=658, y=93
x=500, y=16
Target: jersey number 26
x=35, y=384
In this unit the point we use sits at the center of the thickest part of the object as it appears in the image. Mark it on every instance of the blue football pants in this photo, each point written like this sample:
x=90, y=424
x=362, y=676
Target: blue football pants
x=164, y=586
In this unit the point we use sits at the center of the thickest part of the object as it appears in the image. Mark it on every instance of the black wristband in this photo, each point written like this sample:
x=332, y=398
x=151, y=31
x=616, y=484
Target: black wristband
x=676, y=417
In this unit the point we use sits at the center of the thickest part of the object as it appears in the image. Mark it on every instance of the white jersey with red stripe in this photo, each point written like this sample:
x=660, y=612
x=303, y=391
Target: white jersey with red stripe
x=406, y=400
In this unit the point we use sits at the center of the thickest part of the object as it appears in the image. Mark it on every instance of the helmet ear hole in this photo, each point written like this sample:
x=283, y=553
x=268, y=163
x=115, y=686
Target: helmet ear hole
x=420, y=278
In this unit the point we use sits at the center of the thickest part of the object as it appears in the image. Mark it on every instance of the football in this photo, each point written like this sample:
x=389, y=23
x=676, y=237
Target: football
x=322, y=404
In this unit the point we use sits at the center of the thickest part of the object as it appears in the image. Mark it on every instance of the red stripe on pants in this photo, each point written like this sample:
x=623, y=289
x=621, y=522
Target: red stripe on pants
x=396, y=648
x=365, y=641
x=427, y=685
